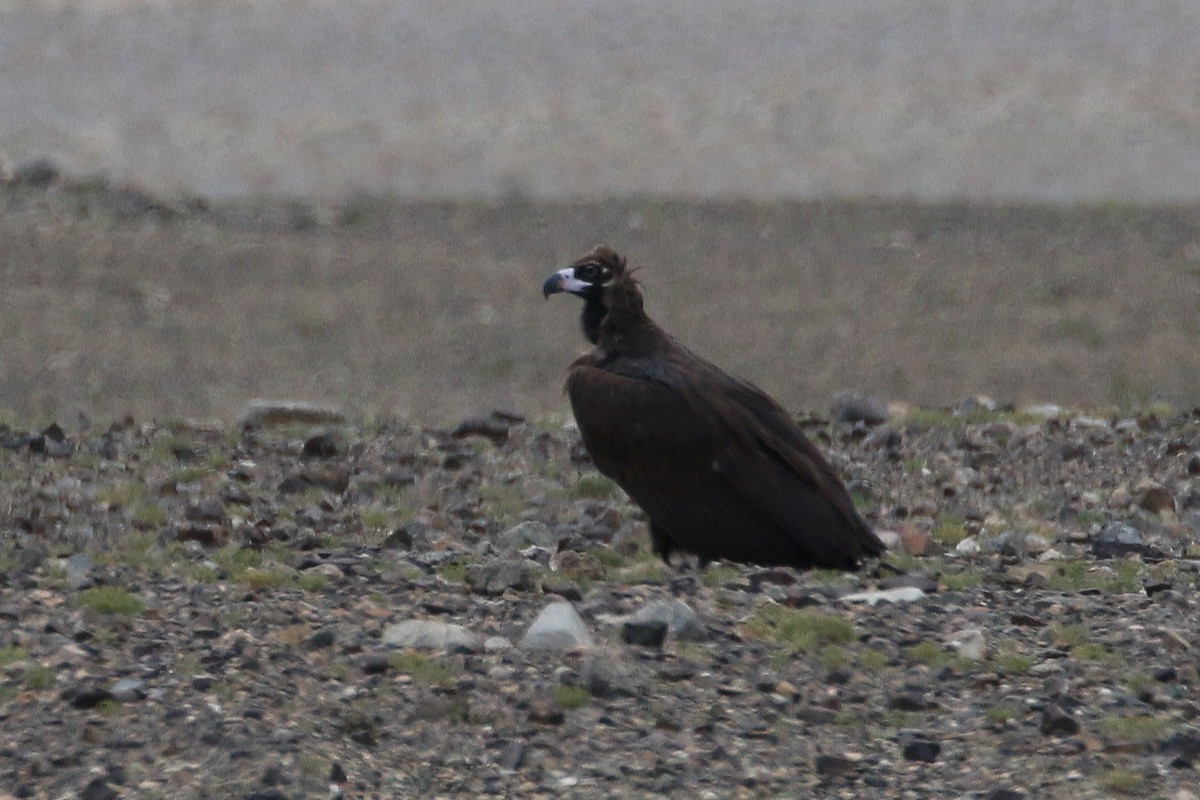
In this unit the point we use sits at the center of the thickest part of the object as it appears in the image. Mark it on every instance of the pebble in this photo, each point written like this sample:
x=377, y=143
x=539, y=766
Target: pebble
x=682, y=622
x=644, y=633
x=128, y=690
x=919, y=747
x=429, y=635
x=969, y=643
x=1057, y=722
x=557, y=627
x=905, y=594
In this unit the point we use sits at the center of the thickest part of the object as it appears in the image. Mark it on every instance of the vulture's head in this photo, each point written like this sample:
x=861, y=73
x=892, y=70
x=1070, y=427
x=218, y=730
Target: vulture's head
x=589, y=276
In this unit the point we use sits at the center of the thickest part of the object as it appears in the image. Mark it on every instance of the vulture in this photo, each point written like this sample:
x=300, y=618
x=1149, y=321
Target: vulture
x=721, y=470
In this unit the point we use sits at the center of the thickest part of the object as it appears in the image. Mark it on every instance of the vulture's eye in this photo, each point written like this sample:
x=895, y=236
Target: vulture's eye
x=589, y=272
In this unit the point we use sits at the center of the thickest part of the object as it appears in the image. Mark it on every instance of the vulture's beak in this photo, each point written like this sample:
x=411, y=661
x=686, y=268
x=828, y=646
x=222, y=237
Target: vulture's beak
x=553, y=285
x=564, y=281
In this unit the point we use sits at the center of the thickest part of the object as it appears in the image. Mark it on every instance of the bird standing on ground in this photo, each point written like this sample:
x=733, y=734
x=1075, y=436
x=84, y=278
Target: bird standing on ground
x=719, y=467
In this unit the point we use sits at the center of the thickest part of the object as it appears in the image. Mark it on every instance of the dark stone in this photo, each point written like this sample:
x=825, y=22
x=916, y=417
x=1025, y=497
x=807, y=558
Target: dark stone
x=323, y=445
x=545, y=712
x=1057, y=722
x=1117, y=540
x=1005, y=794
x=376, y=664
x=921, y=748
x=910, y=701
x=205, y=511
x=644, y=633
x=322, y=639
x=1166, y=674
x=456, y=460
x=98, y=789
x=513, y=755
x=488, y=427
x=850, y=406
x=829, y=766
x=267, y=794
x=86, y=697
x=37, y=172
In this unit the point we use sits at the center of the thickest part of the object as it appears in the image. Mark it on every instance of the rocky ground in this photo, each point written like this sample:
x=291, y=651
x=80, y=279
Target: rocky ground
x=191, y=610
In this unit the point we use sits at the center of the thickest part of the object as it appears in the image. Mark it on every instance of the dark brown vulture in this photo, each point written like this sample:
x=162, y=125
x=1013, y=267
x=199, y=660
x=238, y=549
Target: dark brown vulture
x=719, y=467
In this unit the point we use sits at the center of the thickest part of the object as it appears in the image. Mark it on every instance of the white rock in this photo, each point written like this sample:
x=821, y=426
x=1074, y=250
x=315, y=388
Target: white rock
x=680, y=618
x=969, y=643
x=967, y=547
x=429, y=635
x=905, y=594
x=558, y=627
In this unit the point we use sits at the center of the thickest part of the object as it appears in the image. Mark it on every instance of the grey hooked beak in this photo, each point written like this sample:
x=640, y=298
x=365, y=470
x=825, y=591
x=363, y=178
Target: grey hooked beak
x=563, y=281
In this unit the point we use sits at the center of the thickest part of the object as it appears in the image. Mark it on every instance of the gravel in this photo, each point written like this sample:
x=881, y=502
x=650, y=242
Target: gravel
x=181, y=621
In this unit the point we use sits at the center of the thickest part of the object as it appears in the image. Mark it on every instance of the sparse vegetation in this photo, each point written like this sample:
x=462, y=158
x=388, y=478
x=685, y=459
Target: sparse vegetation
x=421, y=668
x=570, y=697
x=801, y=630
x=113, y=600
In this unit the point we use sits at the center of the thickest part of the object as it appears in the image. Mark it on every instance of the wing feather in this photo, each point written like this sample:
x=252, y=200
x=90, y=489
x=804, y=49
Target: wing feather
x=717, y=465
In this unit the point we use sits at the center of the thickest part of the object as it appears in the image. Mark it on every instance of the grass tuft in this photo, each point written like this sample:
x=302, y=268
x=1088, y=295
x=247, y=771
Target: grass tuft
x=801, y=630
x=111, y=600
x=421, y=668
x=570, y=697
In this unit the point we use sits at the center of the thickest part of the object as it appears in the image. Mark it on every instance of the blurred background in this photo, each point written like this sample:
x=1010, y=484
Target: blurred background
x=356, y=202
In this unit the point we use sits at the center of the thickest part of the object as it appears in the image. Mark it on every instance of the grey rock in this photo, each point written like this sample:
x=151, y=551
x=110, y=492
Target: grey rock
x=1116, y=540
x=557, y=627
x=644, y=633
x=682, y=622
x=494, y=577
x=1057, y=722
x=607, y=674
x=128, y=690
x=919, y=747
x=851, y=406
x=969, y=643
x=429, y=635
x=905, y=594
x=513, y=755
x=79, y=571
x=829, y=766
x=257, y=413
x=98, y=789
x=525, y=534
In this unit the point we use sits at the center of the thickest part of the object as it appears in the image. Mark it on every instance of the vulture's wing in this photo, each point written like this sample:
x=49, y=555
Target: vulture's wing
x=715, y=463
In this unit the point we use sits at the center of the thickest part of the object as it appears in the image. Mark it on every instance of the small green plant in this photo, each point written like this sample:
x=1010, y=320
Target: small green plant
x=121, y=495
x=1003, y=712
x=453, y=571
x=570, y=697
x=1122, y=781
x=39, y=677
x=112, y=600
x=801, y=630
x=312, y=582
x=1141, y=729
x=593, y=487
x=148, y=514
x=375, y=517
x=421, y=668
x=872, y=660
x=12, y=654
x=833, y=657
x=190, y=474
x=949, y=530
x=1013, y=663
x=265, y=577
x=1069, y=635
x=1093, y=652
x=715, y=575
x=961, y=581
x=171, y=446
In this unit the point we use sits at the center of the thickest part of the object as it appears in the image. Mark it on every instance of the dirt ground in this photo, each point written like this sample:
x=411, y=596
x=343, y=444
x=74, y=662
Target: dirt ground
x=114, y=302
